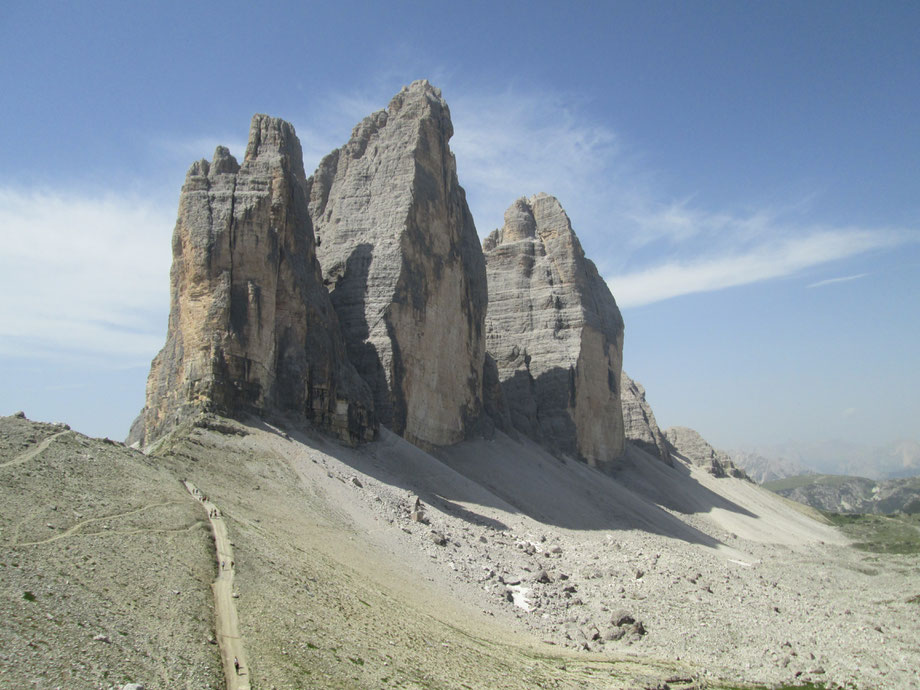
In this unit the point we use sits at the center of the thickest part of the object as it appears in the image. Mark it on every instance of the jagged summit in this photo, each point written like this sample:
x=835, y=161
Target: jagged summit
x=404, y=267
x=251, y=328
x=555, y=333
x=639, y=423
x=691, y=447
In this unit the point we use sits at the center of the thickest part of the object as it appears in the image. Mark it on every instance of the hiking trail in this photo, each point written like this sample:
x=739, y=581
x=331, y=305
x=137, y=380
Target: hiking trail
x=227, y=624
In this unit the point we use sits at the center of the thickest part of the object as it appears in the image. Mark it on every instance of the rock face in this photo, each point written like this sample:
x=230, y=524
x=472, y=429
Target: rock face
x=692, y=447
x=404, y=267
x=639, y=423
x=555, y=333
x=251, y=327
x=843, y=494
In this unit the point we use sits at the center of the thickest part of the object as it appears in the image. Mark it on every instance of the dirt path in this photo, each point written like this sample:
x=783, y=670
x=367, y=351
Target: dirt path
x=32, y=452
x=76, y=529
x=228, y=633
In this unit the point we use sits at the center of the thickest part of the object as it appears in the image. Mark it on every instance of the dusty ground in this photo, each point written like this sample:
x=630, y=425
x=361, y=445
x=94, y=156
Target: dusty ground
x=105, y=565
x=519, y=571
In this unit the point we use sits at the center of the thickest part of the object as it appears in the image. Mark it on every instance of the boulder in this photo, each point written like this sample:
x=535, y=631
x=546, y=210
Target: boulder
x=404, y=268
x=251, y=327
x=555, y=333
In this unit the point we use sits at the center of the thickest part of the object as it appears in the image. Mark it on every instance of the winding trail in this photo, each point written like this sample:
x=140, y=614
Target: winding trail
x=227, y=624
x=32, y=452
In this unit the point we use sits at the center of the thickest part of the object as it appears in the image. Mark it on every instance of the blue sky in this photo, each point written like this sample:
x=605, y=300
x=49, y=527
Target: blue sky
x=745, y=175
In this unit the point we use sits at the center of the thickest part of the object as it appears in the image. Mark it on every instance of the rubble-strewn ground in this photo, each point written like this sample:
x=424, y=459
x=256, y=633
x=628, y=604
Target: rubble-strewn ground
x=513, y=569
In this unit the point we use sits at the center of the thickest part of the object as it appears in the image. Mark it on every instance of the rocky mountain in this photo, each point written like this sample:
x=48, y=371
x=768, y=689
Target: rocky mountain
x=843, y=494
x=763, y=469
x=404, y=267
x=688, y=445
x=251, y=327
x=555, y=333
x=639, y=423
x=892, y=460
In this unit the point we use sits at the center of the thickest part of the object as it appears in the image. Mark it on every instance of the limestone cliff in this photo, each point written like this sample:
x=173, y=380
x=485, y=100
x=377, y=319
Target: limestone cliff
x=639, y=423
x=691, y=447
x=403, y=264
x=555, y=333
x=251, y=327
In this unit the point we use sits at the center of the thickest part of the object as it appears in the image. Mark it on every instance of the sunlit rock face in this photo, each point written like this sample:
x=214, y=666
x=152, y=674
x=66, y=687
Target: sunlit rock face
x=688, y=445
x=251, y=327
x=555, y=333
x=639, y=423
x=404, y=267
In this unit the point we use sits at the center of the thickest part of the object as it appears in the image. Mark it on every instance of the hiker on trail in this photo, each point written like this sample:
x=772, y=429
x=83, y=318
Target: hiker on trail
x=236, y=665
x=223, y=565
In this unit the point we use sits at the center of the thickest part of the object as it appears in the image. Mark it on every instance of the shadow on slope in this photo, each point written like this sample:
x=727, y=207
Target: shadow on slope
x=486, y=481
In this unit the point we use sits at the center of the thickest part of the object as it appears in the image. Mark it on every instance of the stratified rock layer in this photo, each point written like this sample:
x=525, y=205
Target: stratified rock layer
x=639, y=423
x=251, y=327
x=555, y=333
x=404, y=267
x=692, y=447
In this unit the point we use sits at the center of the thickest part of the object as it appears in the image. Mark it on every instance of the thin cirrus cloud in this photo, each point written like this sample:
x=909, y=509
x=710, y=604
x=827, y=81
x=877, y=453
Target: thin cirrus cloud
x=832, y=281
x=89, y=273
x=82, y=275
x=764, y=261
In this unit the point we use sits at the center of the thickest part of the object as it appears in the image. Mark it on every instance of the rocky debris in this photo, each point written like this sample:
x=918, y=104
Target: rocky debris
x=404, y=268
x=251, y=328
x=693, y=448
x=639, y=425
x=555, y=333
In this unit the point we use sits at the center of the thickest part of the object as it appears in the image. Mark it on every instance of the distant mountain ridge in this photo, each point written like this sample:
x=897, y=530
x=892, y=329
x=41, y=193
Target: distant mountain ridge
x=843, y=494
x=894, y=460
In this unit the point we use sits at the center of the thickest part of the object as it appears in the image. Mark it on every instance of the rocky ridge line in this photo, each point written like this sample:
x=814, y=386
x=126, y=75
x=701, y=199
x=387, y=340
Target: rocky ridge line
x=555, y=333
x=404, y=267
x=689, y=446
x=251, y=328
x=639, y=423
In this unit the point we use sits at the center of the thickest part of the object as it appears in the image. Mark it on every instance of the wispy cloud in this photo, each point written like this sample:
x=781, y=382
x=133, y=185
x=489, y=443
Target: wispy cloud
x=82, y=274
x=89, y=272
x=843, y=279
x=764, y=261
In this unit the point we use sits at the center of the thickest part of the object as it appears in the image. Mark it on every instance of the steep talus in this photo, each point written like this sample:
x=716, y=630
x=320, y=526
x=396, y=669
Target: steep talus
x=404, y=267
x=251, y=328
x=555, y=333
x=639, y=423
x=693, y=448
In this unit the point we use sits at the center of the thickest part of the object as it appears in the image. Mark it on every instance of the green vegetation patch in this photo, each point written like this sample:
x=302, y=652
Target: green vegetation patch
x=788, y=483
x=896, y=534
x=28, y=596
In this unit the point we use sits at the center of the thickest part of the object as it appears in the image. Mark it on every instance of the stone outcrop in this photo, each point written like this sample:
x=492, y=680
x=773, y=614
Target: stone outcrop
x=639, y=423
x=251, y=327
x=555, y=333
x=691, y=447
x=404, y=267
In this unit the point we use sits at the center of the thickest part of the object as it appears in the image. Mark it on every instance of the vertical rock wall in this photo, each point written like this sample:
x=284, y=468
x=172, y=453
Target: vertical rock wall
x=555, y=333
x=639, y=423
x=251, y=328
x=404, y=267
